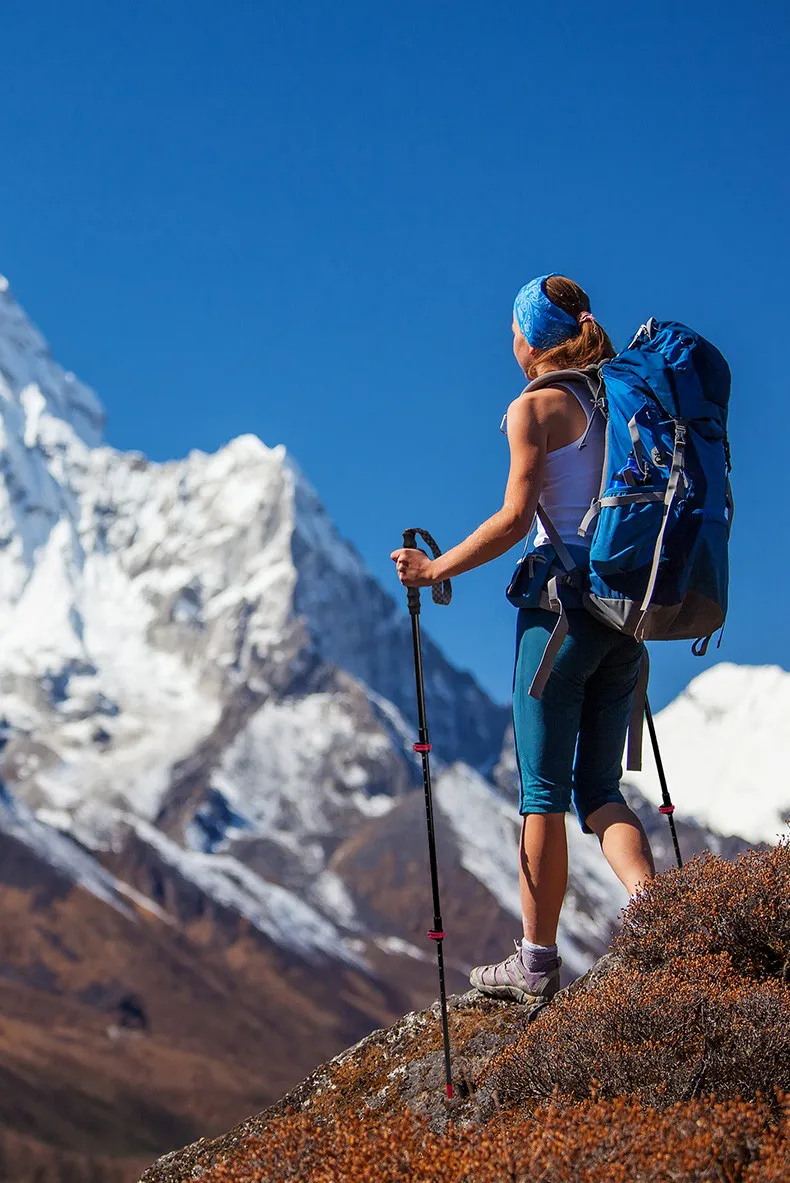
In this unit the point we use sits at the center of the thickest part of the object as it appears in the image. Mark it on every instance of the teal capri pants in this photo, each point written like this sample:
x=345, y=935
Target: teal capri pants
x=569, y=743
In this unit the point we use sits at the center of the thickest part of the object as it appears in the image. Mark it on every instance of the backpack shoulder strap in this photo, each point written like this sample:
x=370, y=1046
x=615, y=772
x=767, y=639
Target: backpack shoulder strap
x=552, y=600
x=563, y=554
x=591, y=377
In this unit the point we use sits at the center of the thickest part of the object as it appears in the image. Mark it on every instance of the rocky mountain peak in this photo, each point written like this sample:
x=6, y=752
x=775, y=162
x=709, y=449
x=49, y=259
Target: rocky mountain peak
x=32, y=380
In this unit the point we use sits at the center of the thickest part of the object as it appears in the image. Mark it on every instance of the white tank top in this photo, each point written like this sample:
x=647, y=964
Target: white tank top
x=572, y=475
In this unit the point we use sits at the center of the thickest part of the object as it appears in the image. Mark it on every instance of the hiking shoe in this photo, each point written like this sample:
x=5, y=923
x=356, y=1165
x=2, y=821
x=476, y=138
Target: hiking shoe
x=510, y=979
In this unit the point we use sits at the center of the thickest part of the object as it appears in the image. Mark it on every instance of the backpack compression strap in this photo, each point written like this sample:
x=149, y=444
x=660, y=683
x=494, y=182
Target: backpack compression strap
x=675, y=473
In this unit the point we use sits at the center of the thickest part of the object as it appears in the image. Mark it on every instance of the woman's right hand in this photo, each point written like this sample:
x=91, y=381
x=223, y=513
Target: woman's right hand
x=414, y=568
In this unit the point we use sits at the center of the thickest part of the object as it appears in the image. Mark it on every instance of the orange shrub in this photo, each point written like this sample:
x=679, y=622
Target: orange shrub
x=601, y=1142
x=690, y=1028
x=740, y=907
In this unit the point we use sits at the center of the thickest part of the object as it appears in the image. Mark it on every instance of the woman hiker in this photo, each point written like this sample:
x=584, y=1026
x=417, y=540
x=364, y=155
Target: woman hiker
x=569, y=743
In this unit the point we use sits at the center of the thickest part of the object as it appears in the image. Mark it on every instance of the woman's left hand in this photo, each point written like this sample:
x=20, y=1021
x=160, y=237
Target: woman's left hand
x=414, y=567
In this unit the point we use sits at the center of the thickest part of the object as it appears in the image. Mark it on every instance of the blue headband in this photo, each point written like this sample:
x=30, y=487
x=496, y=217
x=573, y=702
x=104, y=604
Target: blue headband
x=543, y=324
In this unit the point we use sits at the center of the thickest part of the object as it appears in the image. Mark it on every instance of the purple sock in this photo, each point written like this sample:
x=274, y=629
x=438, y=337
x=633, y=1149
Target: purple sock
x=538, y=958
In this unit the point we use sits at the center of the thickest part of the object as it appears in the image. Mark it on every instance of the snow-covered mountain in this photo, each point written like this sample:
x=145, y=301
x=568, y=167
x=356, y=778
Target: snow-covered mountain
x=147, y=611
x=725, y=746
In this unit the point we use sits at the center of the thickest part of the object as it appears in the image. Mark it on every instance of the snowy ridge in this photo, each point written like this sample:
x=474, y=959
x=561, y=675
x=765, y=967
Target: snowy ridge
x=58, y=851
x=724, y=744
x=277, y=913
x=31, y=379
x=487, y=829
x=357, y=626
x=338, y=758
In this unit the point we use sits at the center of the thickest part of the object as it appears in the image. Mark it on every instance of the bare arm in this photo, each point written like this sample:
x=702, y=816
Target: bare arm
x=527, y=433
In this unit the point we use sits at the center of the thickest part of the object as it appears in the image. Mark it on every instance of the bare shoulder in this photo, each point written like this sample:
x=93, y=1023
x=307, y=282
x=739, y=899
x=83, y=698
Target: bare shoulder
x=551, y=414
x=537, y=406
x=526, y=420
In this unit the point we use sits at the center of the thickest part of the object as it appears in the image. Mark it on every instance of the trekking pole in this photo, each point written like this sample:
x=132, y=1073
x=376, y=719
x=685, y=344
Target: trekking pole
x=442, y=594
x=667, y=808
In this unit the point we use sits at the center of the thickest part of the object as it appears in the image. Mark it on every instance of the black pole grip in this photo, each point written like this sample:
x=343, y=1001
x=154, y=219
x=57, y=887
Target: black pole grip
x=412, y=593
x=441, y=593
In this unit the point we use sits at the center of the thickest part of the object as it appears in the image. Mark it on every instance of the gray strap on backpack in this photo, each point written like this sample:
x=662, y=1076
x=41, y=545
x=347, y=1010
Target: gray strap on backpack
x=675, y=473
x=637, y=721
x=553, y=601
x=616, y=499
x=558, y=635
x=636, y=440
x=563, y=554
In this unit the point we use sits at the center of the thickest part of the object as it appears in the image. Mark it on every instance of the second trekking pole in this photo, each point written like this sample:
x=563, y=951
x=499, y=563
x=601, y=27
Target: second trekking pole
x=667, y=807
x=442, y=594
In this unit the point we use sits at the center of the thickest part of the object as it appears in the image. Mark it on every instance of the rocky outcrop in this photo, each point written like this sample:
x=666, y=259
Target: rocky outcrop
x=395, y=1069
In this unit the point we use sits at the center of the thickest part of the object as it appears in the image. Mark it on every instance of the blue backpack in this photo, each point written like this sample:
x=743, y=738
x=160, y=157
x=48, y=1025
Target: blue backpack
x=661, y=522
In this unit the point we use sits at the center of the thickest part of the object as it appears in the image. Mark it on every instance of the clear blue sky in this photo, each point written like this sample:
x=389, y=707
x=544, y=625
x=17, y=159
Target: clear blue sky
x=309, y=221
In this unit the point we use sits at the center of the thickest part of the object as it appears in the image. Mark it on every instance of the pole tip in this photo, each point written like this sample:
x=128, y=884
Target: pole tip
x=450, y=1091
